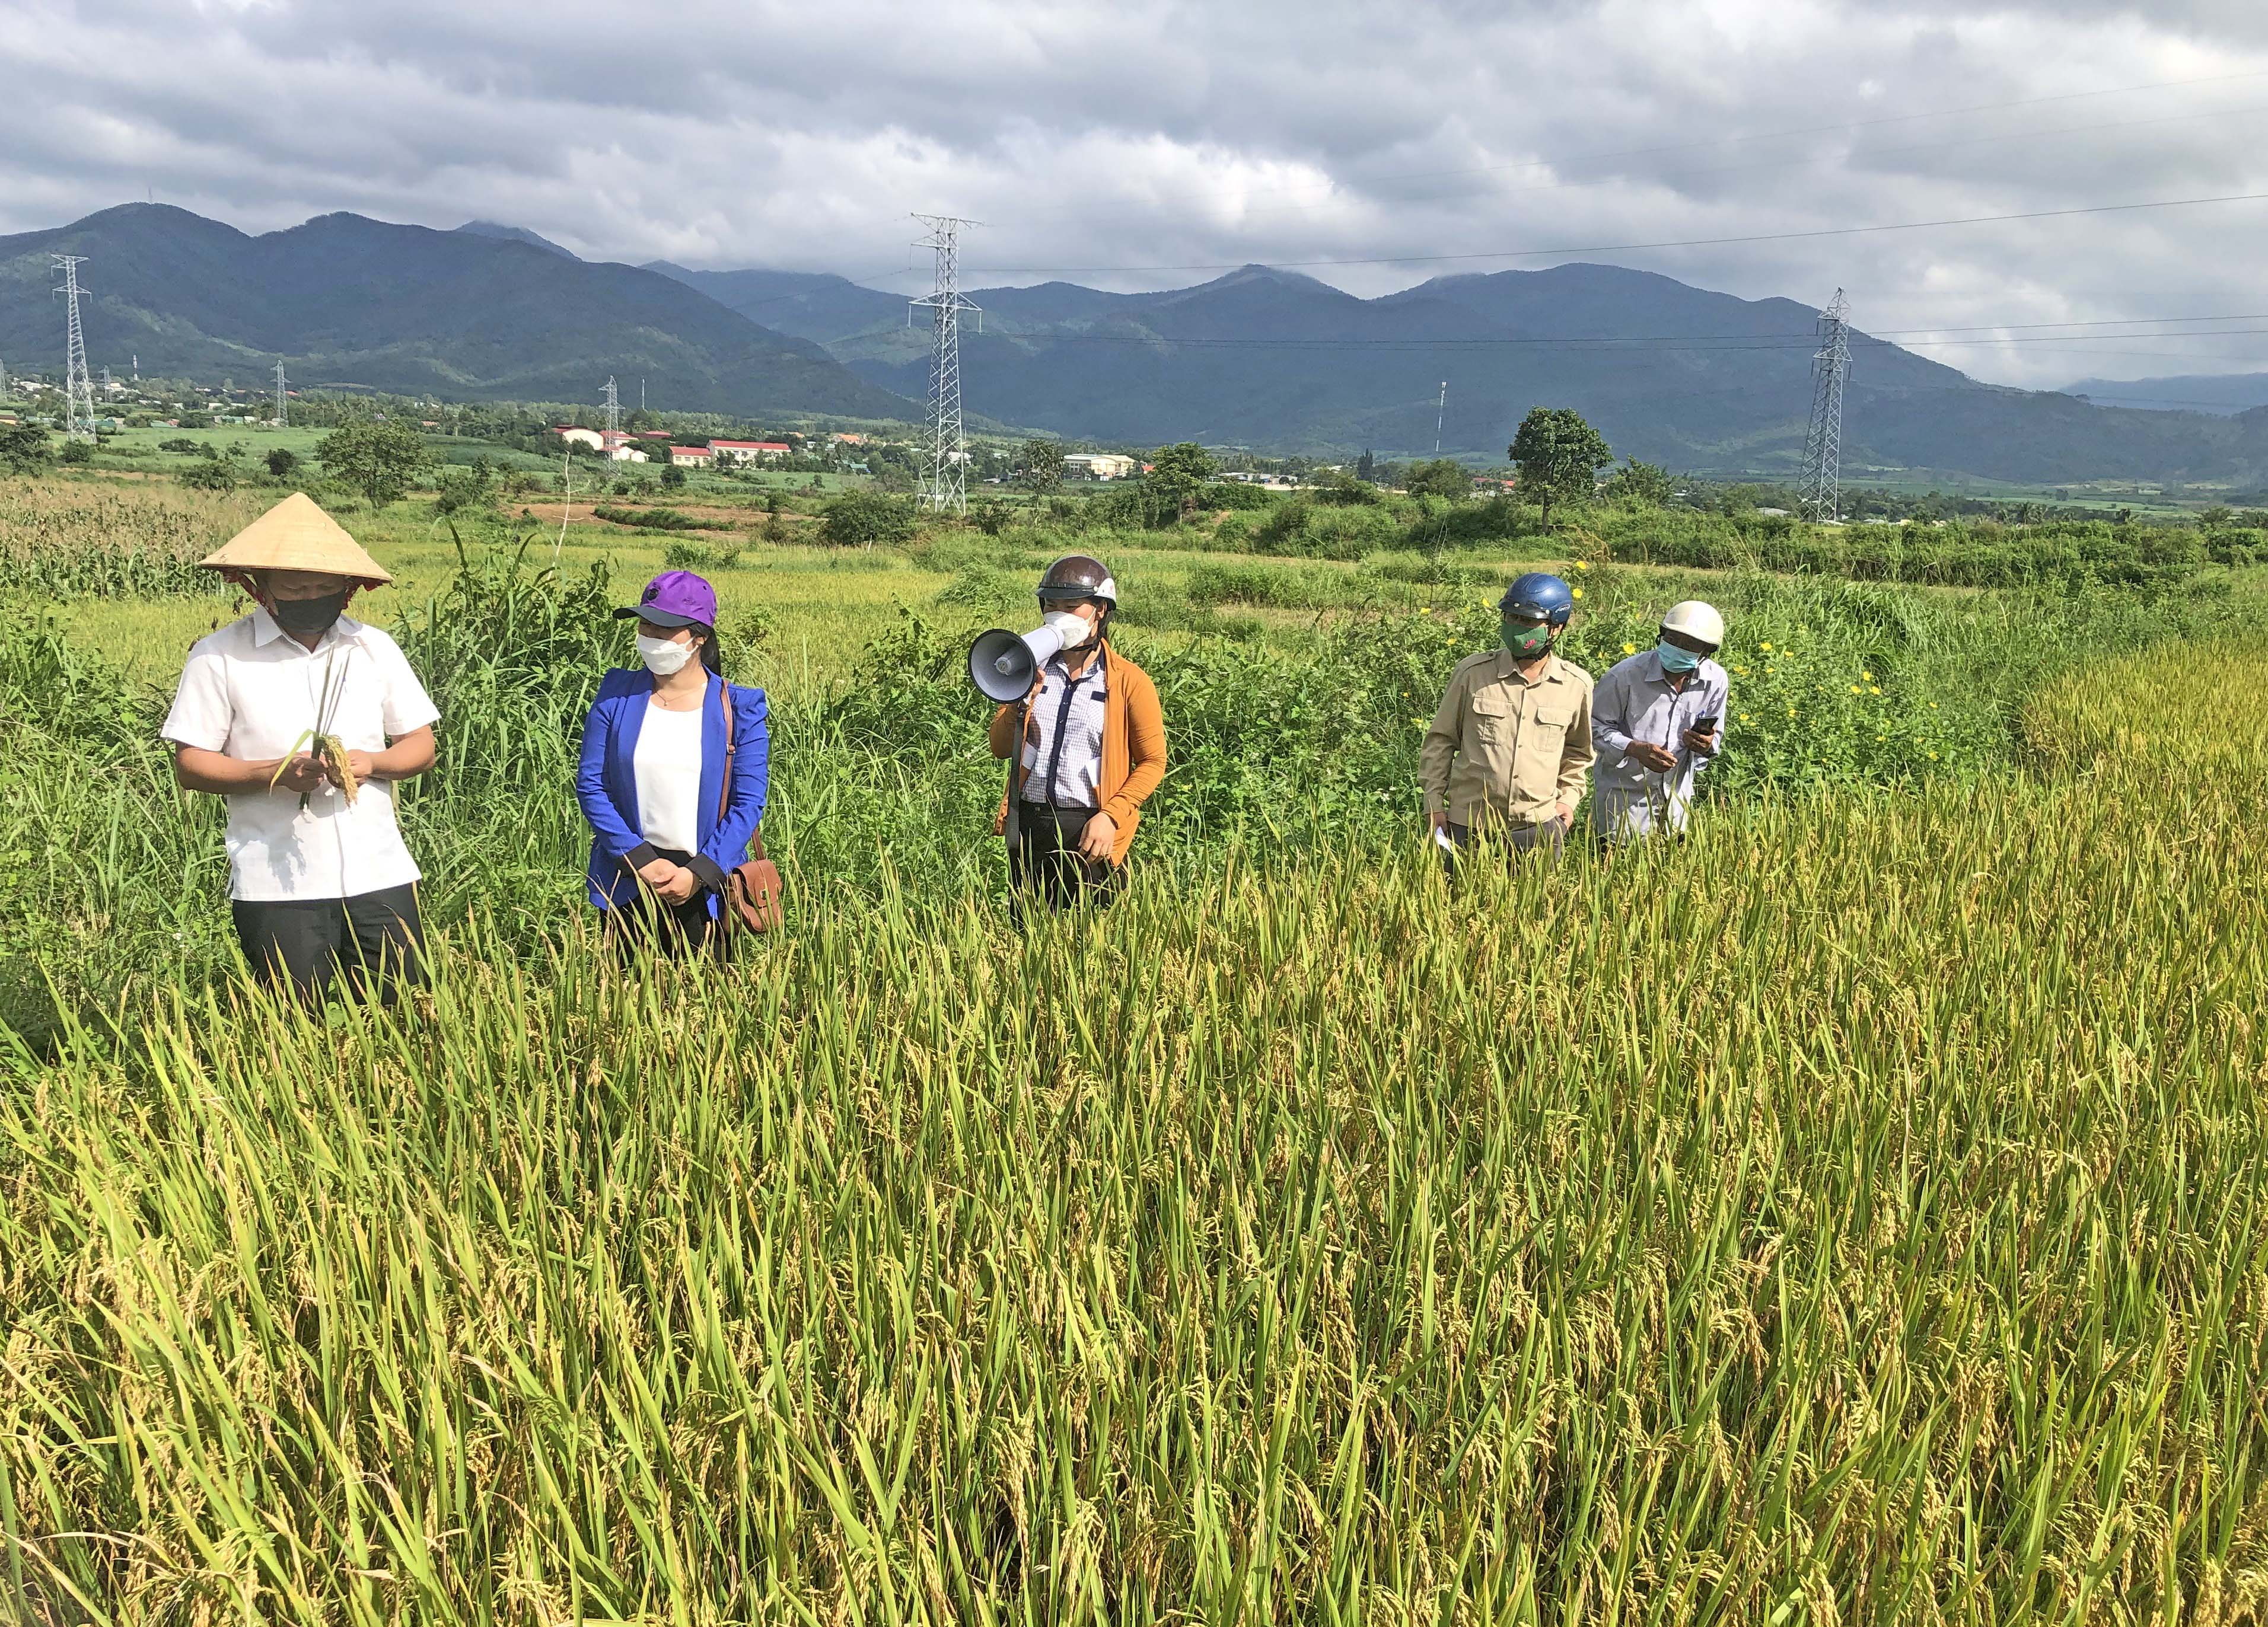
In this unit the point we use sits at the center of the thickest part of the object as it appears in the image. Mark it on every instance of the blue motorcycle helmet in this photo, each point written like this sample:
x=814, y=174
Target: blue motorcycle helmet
x=1541, y=596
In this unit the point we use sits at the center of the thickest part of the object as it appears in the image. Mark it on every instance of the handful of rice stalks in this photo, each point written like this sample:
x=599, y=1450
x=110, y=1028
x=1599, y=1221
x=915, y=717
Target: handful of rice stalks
x=327, y=748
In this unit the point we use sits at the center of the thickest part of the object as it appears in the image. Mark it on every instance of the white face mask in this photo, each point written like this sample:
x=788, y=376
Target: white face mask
x=663, y=656
x=1074, y=631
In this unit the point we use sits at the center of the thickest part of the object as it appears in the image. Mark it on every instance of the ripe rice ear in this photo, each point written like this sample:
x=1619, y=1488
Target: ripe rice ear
x=333, y=753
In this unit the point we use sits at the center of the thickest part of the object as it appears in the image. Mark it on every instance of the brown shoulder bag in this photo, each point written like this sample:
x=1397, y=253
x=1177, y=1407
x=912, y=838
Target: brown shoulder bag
x=754, y=892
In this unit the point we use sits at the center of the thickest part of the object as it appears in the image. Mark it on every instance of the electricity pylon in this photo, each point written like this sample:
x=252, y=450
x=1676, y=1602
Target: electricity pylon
x=945, y=483
x=1821, y=490
x=78, y=389
x=283, y=409
x=613, y=409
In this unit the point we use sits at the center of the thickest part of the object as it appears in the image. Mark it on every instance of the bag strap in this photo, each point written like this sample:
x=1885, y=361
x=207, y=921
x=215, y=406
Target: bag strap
x=725, y=790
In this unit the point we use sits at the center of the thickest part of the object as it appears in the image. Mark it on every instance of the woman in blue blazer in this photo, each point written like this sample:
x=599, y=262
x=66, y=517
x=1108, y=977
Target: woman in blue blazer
x=652, y=777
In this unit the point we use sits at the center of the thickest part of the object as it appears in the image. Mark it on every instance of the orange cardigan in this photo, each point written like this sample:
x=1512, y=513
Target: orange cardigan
x=1133, y=746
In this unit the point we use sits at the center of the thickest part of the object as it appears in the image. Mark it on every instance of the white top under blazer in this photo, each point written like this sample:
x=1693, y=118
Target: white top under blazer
x=667, y=765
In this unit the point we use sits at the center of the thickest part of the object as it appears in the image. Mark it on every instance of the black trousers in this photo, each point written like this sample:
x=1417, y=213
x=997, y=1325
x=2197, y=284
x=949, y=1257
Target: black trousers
x=648, y=926
x=1045, y=865
x=373, y=940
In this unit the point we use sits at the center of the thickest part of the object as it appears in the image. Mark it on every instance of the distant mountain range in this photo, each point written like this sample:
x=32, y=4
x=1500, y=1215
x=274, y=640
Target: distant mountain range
x=1259, y=357
x=485, y=313
x=515, y=234
x=1673, y=374
x=2218, y=393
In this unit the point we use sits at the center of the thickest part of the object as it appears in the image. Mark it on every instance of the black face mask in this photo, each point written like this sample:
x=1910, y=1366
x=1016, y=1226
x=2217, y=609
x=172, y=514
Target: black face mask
x=302, y=617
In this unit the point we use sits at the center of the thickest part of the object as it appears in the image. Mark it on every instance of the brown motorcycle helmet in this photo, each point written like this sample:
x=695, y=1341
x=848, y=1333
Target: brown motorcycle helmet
x=1078, y=575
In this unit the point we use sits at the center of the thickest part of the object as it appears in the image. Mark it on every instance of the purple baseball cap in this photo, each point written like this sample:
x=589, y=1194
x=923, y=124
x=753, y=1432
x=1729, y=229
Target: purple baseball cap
x=675, y=599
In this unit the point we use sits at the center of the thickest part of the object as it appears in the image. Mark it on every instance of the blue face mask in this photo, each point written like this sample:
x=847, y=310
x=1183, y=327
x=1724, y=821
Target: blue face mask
x=1675, y=660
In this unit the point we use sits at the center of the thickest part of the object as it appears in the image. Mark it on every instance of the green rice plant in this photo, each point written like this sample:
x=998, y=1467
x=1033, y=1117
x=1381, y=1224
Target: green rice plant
x=1855, y=1214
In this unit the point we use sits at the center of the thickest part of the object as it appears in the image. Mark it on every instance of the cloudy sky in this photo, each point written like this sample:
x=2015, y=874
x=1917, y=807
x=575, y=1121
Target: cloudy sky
x=1145, y=144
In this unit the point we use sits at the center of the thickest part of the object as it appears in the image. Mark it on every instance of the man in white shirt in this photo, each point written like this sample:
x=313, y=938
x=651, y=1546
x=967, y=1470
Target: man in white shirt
x=319, y=880
x=1658, y=719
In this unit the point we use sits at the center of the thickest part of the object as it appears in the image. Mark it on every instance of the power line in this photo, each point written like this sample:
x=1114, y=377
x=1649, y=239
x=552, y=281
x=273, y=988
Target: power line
x=1619, y=248
x=1854, y=156
x=1699, y=342
x=1814, y=129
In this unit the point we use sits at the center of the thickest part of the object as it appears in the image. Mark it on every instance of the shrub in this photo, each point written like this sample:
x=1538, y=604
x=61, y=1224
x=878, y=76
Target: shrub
x=1234, y=495
x=863, y=519
x=209, y=474
x=1303, y=528
x=23, y=448
x=700, y=556
x=656, y=519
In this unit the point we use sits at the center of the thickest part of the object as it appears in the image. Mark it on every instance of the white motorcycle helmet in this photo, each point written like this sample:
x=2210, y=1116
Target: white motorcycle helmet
x=1697, y=621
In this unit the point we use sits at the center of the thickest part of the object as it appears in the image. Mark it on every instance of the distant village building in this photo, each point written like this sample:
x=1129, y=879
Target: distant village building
x=1097, y=465
x=843, y=439
x=691, y=457
x=575, y=434
x=748, y=451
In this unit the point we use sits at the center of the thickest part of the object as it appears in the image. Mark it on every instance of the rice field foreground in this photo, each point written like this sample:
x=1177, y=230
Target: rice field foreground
x=1856, y=1217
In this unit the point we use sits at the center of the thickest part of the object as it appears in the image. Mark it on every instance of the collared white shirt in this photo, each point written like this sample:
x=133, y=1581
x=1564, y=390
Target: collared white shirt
x=251, y=692
x=1634, y=702
x=1062, y=762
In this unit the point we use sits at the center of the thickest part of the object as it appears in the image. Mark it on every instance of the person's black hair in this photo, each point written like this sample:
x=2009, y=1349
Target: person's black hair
x=711, y=657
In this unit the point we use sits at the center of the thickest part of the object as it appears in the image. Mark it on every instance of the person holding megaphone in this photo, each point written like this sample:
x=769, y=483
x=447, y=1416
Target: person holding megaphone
x=1083, y=735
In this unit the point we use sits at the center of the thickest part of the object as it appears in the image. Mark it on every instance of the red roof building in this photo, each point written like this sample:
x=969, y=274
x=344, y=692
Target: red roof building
x=682, y=456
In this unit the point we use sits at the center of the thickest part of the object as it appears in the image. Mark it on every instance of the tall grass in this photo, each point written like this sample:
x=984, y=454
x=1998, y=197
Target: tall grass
x=1854, y=1215
x=61, y=540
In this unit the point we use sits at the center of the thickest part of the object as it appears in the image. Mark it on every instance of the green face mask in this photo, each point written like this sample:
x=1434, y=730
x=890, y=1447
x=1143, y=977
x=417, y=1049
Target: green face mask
x=1526, y=641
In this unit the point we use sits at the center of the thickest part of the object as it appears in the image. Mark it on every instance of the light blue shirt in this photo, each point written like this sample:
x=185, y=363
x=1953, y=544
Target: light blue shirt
x=1634, y=702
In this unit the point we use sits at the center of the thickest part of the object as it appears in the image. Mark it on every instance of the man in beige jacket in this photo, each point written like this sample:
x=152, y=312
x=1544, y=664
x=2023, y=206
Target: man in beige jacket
x=1510, y=749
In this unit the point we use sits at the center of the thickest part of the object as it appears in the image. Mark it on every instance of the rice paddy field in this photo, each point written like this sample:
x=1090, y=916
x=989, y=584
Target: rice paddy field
x=1853, y=1215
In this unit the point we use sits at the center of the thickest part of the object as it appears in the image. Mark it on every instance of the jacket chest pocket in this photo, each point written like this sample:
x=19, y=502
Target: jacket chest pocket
x=1495, y=720
x=1553, y=717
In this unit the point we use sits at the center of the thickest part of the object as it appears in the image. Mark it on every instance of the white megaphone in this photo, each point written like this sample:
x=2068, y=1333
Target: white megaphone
x=1002, y=664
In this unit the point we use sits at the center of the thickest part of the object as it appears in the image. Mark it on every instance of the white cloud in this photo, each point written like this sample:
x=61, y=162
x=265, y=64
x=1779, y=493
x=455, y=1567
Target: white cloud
x=1093, y=137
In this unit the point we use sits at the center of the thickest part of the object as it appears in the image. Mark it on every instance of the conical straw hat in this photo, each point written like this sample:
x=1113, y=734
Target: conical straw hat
x=297, y=535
